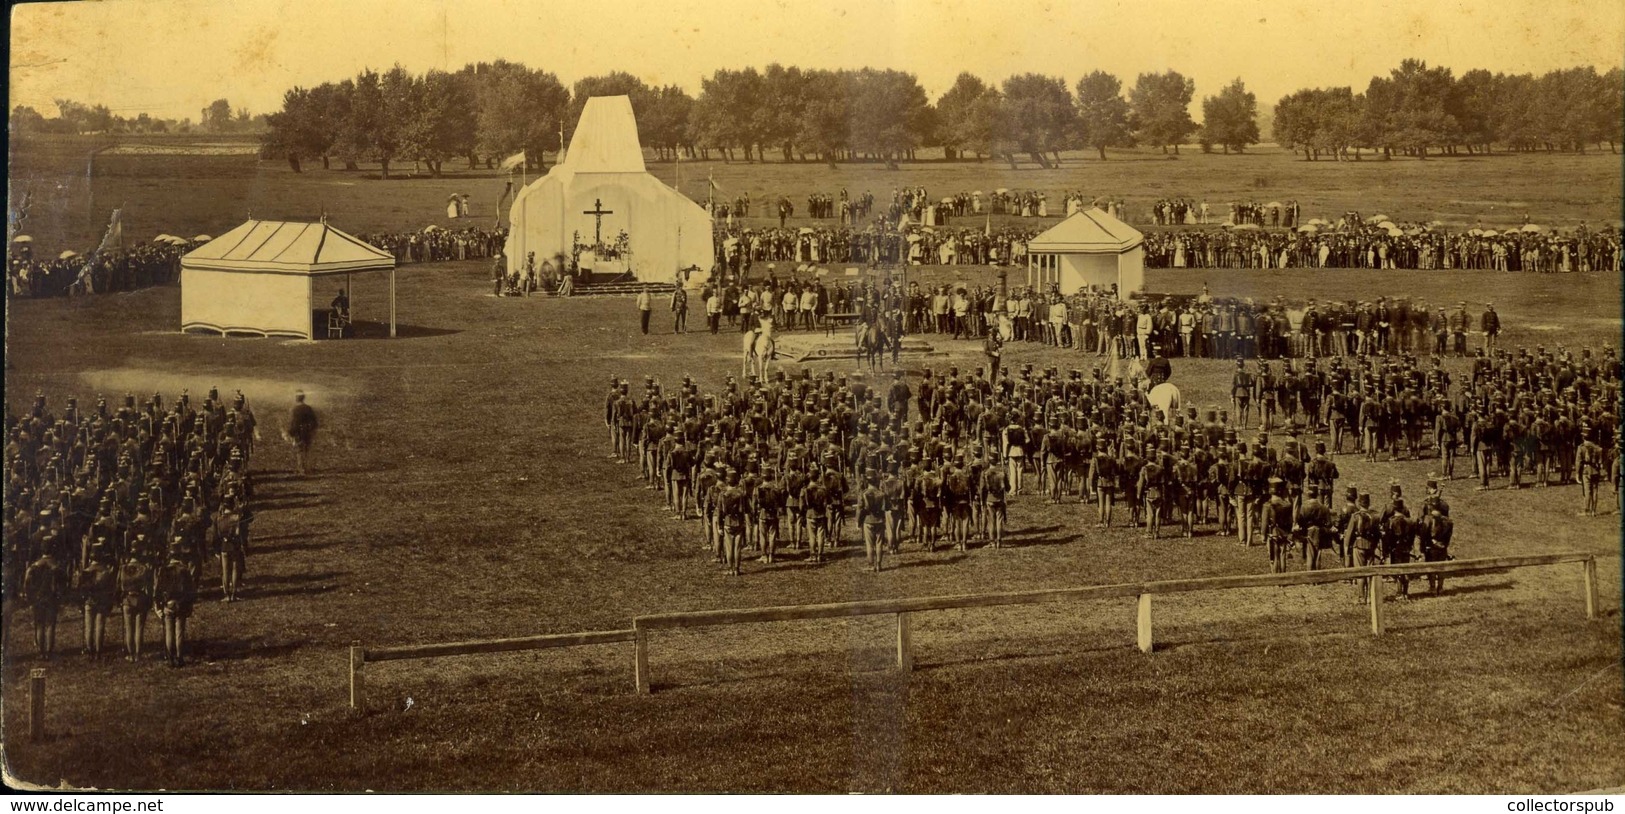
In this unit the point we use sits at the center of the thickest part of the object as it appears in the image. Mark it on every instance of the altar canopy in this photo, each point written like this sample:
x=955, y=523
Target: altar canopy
x=261, y=278
x=602, y=189
x=1090, y=248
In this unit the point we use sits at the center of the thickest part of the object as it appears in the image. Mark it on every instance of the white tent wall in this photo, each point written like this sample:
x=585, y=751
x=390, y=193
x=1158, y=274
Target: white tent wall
x=246, y=302
x=665, y=230
x=1130, y=271
x=1079, y=271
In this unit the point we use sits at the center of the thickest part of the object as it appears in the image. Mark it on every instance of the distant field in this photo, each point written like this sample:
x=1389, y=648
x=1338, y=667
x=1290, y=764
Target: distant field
x=464, y=492
x=200, y=184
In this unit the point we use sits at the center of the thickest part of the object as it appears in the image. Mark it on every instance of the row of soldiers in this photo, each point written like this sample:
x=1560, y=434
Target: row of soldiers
x=123, y=508
x=1203, y=327
x=1425, y=248
x=938, y=464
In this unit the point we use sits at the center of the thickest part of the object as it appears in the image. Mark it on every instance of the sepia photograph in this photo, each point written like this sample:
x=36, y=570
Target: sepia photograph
x=879, y=397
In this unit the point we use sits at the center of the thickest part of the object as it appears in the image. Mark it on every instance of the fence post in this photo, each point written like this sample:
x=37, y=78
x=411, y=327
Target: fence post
x=1590, y=565
x=358, y=659
x=1375, y=600
x=1143, y=623
x=36, y=704
x=905, y=646
x=640, y=658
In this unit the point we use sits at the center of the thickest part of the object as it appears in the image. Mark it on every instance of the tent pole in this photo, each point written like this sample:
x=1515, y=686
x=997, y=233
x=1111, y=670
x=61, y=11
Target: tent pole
x=392, y=303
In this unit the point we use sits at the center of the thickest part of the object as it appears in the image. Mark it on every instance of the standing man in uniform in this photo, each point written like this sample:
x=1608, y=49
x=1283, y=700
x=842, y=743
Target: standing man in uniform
x=645, y=309
x=301, y=432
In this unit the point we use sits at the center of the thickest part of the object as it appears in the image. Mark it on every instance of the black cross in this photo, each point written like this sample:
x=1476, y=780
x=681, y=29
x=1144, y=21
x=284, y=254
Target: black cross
x=598, y=211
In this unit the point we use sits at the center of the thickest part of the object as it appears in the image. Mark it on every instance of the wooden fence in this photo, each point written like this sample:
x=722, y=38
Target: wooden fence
x=902, y=609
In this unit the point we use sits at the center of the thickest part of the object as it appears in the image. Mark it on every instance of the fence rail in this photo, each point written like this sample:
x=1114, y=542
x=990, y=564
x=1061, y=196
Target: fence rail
x=1143, y=591
x=902, y=609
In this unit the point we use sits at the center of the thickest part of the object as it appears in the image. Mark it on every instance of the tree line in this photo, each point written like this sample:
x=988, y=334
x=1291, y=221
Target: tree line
x=78, y=118
x=1418, y=109
x=488, y=110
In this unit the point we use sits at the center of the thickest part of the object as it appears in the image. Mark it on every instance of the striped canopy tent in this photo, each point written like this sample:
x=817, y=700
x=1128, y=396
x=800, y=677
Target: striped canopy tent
x=1090, y=248
x=260, y=278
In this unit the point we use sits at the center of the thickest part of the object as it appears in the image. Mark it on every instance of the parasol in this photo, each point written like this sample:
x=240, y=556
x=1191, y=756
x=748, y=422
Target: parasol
x=1316, y=222
x=1308, y=229
x=1395, y=232
x=22, y=239
x=178, y=241
x=1491, y=233
x=1530, y=227
x=202, y=239
x=1476, y=232
x=1378, y=218
x=430, y=228
x=67, y=254
x=1387, y=224
x=805, y=230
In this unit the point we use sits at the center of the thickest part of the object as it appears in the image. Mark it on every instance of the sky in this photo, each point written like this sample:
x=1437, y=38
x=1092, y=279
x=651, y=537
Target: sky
x=170, y=58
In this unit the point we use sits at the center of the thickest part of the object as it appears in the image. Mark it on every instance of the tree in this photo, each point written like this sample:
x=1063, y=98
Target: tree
x=724, y=114
x=217, y=116
x=663, y=125
x=77, y=117
x=1103, y=113
x=823, y=129
x=519, y=109
x=441, y=121
x=887, y=113
x=957, y=129
x=1296, y=121
x=297, y=131
x=1161, y=106
x=1610, y=110
x=778, y=123
x=1471, y=103
x=1230, y=119
x=25, y=119
x=1036, y=116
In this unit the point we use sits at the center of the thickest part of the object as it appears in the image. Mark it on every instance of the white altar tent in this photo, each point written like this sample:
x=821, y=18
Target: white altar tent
x=603, y=171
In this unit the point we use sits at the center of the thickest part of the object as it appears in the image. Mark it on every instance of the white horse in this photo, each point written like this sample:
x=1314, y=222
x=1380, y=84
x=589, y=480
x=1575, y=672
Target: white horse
x=758, y=348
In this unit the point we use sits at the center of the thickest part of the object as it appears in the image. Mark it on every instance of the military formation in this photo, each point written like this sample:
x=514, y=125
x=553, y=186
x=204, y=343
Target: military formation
x=1223, y=328
x=120, y=509
x=783, y=467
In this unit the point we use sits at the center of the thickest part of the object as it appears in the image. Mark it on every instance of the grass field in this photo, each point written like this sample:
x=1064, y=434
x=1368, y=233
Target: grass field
x=463, y=491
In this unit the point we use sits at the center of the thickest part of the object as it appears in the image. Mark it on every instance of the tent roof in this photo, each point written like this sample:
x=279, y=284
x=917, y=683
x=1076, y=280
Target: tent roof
x=288, y=248
x=606, y=137
x=1091, y=230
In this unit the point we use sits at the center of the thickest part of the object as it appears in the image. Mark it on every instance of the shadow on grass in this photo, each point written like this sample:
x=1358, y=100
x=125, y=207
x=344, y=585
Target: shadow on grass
x=926, y=563
x=265, y=587
x=380, y=330
x=245, y=648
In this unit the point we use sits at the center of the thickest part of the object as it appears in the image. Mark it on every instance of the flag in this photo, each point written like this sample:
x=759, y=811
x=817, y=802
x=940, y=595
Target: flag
x=513, y=160
x=715, y=187
x=114, y=239
x=988, y=229
x=503, y=200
